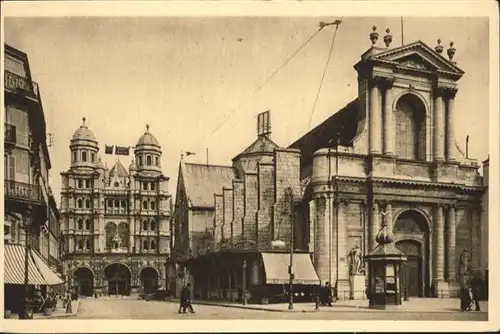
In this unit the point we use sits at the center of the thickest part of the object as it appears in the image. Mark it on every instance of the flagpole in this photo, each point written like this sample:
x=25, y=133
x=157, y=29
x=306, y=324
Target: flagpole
x=402, y=32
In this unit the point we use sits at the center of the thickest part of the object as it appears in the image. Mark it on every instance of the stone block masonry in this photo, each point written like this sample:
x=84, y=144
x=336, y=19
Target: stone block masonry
x=228, y=213
x=266, y=196
x=238, y=210
x=250, y=194
x=218, y=220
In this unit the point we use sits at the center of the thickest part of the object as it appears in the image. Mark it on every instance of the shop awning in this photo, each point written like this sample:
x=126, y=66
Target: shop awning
x=50, y=277
x=14, y=267
x=276, y=268
x=38, y=272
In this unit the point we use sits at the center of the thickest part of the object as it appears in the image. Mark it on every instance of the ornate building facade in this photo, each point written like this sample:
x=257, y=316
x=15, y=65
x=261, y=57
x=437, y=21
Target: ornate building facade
x=115, y=223
x=396, y=162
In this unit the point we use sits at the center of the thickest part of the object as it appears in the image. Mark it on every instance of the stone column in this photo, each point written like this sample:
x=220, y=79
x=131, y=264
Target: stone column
x=375, y=126
x=343, y=287
x=476, y=239
x=388, y=119
x=438, y=126
x=451, y=262
x=312, y=227
x=322, y=248
x=375, y=226
x=450, y=126
x=439, y=256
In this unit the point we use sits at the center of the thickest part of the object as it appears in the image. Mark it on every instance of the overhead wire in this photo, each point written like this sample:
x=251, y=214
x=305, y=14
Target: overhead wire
x=324, y=72
x=268, y=79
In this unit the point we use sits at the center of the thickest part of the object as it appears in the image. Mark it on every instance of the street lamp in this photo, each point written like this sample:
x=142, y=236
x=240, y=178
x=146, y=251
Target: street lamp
x=289, y=200
x=25, y=314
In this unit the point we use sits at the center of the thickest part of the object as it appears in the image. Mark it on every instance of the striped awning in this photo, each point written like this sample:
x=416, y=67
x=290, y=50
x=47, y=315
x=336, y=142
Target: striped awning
x=14, y=267
x=276, y=268
x=50, y=277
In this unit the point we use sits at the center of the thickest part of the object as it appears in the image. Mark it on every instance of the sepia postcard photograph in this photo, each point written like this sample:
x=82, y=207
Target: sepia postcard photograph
x=169, y=166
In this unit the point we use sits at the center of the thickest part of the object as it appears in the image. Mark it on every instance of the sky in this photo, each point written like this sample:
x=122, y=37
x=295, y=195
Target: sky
x=192, y=79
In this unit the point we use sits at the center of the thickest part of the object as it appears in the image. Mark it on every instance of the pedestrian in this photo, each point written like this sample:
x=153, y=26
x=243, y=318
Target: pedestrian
x=185, y=302
x=329, y=295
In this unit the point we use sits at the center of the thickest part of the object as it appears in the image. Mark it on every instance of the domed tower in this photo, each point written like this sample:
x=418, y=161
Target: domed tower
x=84, y=148
x=147, y=154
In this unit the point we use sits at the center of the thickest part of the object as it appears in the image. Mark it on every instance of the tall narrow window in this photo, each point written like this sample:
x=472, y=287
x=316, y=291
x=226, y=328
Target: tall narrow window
x=87, y=224
x=110, y=203
x=153, y=244
x=74, y=156
x=80, y=183
x=153, y=186
x=410, y=128
x=145, y=225
x=92, y=156
x=80, y=224
x=117, y=204
x=144, y=186
x=139, y=160
x=145, y=205
x=10, y=167
x=148, y=160
x=153, y=225
x=153, y=205
x=87, y=184
x=157, y=161
x=145, y=245
x=80, y=203
x=87, y=204
x=87, y=244
x=80, y=244
x=84, y=156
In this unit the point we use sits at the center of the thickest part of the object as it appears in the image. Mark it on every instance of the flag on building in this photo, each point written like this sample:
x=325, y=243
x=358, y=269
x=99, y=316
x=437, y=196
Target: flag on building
x=121, y=150
x=108, y=149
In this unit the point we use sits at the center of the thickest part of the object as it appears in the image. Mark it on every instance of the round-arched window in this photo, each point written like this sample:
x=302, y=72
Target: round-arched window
x=87, y=224
x=80, y=224
x=148, y=160
x=153, y=205
x=145, y=245
x=145, y=205
x=80, y=244
x=153, y=225
x=153, y=244
x=145, y=225
x=87, y=203
x=80, y=203
x=84, y=156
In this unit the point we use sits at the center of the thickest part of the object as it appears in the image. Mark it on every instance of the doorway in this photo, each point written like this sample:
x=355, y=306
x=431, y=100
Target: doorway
x=84, y=281
x=149, y=279
x=118, y=277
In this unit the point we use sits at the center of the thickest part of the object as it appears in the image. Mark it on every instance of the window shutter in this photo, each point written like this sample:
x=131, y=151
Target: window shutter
x=12, y=168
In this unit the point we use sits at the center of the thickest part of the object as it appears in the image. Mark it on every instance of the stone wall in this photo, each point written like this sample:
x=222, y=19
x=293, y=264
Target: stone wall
x=238, y=210
x=251, y=206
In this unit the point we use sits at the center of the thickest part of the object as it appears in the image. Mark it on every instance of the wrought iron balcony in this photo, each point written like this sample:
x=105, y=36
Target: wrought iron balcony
x=10, y=135
x=20, y=84
x=22, y=191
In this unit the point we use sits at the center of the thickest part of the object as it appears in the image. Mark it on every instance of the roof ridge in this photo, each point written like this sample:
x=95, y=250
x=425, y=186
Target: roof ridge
x=206, y=165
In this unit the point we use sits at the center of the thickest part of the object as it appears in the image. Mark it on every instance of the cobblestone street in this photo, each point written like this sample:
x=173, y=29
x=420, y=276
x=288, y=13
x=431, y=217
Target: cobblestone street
x=139, y=309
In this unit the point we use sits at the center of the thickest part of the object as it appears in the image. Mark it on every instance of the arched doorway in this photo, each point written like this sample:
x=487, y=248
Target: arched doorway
x=84, y=279
x=118, y=277
x=410, y=128
x=411, y=234
x=149, y=279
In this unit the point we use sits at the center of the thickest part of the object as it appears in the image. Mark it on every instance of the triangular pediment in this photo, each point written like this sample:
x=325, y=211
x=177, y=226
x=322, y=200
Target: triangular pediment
x=419, y=56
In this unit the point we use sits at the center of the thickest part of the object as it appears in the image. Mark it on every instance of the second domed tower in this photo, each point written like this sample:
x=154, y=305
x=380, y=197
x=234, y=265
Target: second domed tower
x=84, y=148
x=148, y=153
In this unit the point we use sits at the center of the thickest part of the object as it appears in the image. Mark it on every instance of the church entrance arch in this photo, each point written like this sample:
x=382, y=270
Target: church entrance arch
x=84, y=279
x=149, y=279
x=411, y=234
x=117, y=277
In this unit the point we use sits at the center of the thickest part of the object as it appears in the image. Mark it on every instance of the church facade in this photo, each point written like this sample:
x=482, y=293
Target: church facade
x=115, y=223
x=388, y=158
x=396, y=163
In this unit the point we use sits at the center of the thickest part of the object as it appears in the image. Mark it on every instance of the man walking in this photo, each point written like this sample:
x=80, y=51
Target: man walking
x=185, y=302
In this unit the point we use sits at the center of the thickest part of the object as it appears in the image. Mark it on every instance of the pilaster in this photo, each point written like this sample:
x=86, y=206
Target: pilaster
x=439, y=125
x=451, y=242
x=343, y=287
x=374, y=225
x=450, y=124
x=388, y=129
x=375, y=117
x=438, y=279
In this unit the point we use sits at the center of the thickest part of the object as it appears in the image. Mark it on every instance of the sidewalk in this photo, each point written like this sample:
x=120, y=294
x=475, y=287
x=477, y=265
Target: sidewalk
x=59, y=312
x=421, y=305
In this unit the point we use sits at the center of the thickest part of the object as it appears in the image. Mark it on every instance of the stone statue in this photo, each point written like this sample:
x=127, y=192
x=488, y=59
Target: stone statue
x=355, y=261
x=464, y=260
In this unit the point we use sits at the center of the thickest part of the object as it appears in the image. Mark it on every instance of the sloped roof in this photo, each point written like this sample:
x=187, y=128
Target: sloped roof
x=201, y=182
x=345, y=122
x=263, y=144
x=118, y=169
